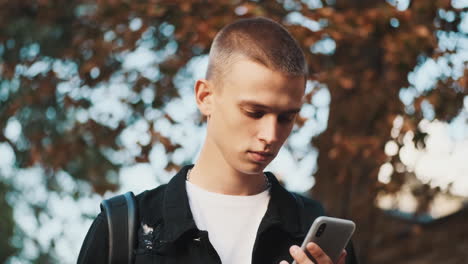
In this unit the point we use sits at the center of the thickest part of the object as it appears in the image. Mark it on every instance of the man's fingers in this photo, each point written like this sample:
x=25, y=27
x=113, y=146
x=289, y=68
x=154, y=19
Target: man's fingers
x=299, y=256
x=342, y=258
x=318, y=254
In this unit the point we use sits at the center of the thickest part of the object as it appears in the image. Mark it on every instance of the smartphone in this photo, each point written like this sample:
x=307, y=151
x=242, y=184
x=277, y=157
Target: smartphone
x=330, y=234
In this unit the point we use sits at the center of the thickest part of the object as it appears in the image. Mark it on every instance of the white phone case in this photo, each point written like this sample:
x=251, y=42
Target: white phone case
x=331, y=234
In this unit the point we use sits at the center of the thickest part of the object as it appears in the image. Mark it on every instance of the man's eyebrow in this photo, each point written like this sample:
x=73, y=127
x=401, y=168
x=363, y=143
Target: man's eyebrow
x=257, y=105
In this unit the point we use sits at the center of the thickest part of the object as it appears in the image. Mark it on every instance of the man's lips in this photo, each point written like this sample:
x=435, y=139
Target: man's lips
x=260, y=156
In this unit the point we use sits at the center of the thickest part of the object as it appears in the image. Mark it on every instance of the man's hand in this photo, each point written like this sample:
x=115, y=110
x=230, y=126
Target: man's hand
x=315, y=251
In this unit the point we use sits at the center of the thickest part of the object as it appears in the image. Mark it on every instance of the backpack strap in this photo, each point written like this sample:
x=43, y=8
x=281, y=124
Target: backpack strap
x=121, y=214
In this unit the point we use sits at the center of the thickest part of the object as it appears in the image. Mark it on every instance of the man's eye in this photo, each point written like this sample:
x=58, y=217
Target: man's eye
x=255, y=114
x=286, y=118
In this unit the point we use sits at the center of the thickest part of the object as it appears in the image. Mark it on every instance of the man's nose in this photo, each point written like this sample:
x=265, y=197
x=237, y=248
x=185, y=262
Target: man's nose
x=269, y=129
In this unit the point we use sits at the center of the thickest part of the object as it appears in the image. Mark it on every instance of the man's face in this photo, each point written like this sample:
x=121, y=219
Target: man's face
x=253, y=114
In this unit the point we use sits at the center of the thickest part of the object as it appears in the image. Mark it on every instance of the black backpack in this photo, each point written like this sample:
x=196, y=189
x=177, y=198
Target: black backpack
x=122, y=214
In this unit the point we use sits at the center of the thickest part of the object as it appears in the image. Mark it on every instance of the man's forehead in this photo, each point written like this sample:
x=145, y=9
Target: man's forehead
x=258, y=105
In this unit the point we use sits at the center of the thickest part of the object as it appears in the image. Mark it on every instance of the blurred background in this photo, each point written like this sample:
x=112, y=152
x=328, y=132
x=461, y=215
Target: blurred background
x=96, y=99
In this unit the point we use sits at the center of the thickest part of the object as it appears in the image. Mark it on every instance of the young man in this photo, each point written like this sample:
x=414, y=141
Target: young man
x=225, y=209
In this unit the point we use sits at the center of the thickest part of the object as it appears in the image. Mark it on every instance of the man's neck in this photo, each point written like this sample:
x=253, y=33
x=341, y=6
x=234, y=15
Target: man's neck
x=214, y=174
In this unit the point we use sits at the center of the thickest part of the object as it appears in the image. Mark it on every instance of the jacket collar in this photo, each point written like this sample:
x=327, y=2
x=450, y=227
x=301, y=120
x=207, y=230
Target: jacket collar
x=282, y=209
x=177, y=216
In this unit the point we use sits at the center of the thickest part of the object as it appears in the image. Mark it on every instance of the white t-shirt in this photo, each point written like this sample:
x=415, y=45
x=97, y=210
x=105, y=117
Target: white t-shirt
x=232, y=221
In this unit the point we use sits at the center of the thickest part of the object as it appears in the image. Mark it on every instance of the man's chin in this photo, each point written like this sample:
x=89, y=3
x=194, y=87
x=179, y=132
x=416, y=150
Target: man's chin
x=253, y=168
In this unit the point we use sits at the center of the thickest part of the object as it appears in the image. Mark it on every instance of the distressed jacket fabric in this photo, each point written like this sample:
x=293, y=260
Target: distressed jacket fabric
x=168, y=234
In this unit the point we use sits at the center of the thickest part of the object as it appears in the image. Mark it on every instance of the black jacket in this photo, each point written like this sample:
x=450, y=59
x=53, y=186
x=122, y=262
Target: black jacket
x=176, y=239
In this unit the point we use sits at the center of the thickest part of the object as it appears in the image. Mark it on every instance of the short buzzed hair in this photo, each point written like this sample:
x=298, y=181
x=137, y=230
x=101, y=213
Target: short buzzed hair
x=259, y=39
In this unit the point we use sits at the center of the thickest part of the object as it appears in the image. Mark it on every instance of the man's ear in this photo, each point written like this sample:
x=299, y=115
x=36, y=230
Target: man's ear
x=204, y=96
